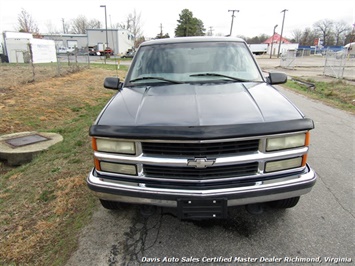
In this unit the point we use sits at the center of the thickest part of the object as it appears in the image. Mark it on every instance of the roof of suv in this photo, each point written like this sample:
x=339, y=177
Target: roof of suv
x=192, y=39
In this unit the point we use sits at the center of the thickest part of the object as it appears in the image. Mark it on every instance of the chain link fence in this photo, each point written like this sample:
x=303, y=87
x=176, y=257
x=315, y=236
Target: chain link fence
x=14, y=74
x=335, y=63
x=288, y=59
x=340, y=64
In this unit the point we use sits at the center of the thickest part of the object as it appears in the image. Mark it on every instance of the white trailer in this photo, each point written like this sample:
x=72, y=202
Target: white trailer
x=43, y=51
x=258, y=49
x=17, y=48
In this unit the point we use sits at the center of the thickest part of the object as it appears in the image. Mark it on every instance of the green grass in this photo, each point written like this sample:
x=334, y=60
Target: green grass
x=339, y=94
x=108, y=66
x=44, y=204
x=39, y=187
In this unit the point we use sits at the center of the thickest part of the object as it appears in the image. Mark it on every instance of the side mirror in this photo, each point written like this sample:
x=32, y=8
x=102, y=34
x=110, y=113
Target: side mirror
x=276, y=78
x=113, y=83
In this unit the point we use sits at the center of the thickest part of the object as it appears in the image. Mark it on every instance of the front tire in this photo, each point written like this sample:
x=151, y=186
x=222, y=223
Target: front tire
x=285, y=203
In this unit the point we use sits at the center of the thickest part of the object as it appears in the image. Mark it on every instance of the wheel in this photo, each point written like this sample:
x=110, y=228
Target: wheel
x=112, y=205
x=285, y=203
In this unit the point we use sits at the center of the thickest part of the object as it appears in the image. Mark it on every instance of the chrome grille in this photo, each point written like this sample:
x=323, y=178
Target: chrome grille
x=200, y=149
x=189, y=173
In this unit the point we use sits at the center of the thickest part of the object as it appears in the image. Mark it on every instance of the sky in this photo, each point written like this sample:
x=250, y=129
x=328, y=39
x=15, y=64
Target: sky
x=255, y=17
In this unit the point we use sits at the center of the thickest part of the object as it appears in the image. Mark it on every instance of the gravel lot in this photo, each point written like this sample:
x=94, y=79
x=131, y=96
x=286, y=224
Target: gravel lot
x=307, y=67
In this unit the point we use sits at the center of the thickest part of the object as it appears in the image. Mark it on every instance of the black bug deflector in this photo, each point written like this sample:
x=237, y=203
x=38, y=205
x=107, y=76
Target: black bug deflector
x=201, y=132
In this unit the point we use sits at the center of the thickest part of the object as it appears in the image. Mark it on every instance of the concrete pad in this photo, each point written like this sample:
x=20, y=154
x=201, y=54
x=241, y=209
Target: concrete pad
x=25, y=153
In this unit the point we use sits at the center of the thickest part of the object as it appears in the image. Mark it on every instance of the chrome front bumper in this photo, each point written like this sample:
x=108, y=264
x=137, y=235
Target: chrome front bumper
x=270, y=190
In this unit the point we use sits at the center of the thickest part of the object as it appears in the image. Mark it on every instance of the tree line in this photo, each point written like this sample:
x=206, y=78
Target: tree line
x=328, y=31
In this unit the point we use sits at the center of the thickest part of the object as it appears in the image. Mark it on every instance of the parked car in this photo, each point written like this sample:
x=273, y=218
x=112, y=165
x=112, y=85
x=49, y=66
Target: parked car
x=109, y=51
x=92, y=50
x=196, y=126
x=62, y=50
x=350, y=47
x=129, y=54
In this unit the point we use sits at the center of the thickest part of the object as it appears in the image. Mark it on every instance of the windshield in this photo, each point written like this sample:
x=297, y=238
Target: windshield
x=193, y=62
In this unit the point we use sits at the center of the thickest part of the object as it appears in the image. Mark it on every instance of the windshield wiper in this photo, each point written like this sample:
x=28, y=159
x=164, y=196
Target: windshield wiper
x=217, y=75
x=158, y=78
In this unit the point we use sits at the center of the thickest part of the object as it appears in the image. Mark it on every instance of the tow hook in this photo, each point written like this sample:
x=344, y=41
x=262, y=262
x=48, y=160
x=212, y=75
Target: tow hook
x=147, y=210
x=257, y=208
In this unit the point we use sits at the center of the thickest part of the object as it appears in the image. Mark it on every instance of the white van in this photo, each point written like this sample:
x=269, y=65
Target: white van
x=351, y=49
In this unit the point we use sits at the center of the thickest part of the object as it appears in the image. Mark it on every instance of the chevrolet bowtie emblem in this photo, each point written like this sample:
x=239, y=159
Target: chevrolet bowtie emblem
x=200, y=162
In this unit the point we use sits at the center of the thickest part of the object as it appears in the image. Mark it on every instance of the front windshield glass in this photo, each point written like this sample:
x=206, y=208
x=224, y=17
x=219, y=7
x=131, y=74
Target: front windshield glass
x=193, y=62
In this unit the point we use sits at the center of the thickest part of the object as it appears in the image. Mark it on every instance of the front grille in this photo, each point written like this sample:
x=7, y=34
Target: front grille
x=200, y=149
x=189, y=173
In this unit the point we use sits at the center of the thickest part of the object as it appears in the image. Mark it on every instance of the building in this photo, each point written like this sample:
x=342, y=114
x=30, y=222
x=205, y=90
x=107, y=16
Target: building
x=119, y=40
x=274, y=42
x=68, y=41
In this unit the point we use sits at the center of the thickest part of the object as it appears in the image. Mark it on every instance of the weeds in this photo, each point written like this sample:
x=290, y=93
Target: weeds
x=337, y=93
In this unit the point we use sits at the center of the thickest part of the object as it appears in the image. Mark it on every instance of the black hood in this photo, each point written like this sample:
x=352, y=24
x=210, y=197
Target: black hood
x=198, y=105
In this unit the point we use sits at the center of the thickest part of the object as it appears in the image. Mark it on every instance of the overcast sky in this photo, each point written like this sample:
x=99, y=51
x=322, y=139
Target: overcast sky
x=255, y=17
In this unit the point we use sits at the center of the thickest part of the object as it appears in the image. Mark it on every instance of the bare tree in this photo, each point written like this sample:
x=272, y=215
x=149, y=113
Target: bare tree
x=51, y=28
x=116, y=26
x=79, y=25
x=133, y=24
x=297, y=35
x=340, y=31
x=65, y=26
x=26, y=23
x=308, y=37
x=324, y=28
x=94, y=24
x=125, y=25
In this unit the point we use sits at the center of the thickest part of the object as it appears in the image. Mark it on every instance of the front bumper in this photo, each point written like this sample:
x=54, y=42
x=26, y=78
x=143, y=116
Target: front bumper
x=270, y=190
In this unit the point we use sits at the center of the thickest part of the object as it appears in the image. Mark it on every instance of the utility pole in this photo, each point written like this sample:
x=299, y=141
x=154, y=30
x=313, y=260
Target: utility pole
x=282, y=29
x=63, y=25
x=211, y=31
x=106, y=33
x=233, y=10
x=272, y=41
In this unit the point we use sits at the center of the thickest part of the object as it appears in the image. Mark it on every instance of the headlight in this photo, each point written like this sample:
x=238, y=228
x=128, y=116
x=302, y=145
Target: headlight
x=115, y=146
x=127, y=169
x=283, y=164
x=286, y=142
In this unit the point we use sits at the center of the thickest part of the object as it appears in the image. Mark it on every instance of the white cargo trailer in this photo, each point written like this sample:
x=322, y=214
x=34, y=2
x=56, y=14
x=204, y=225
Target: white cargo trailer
x=43, y=51
x=17, y=48
x=258, y=49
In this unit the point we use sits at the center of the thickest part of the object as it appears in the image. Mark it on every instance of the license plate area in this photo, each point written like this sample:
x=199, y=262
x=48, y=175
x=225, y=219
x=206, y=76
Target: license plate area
x=197, y=209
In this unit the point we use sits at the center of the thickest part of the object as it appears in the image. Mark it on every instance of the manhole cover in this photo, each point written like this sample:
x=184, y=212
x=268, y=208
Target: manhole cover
x=26, y=140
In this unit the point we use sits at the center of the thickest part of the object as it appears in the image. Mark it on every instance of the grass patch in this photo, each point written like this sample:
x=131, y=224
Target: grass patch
x=14, y=75
x=45, y=203
x=108, y=66
x=339, y=94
